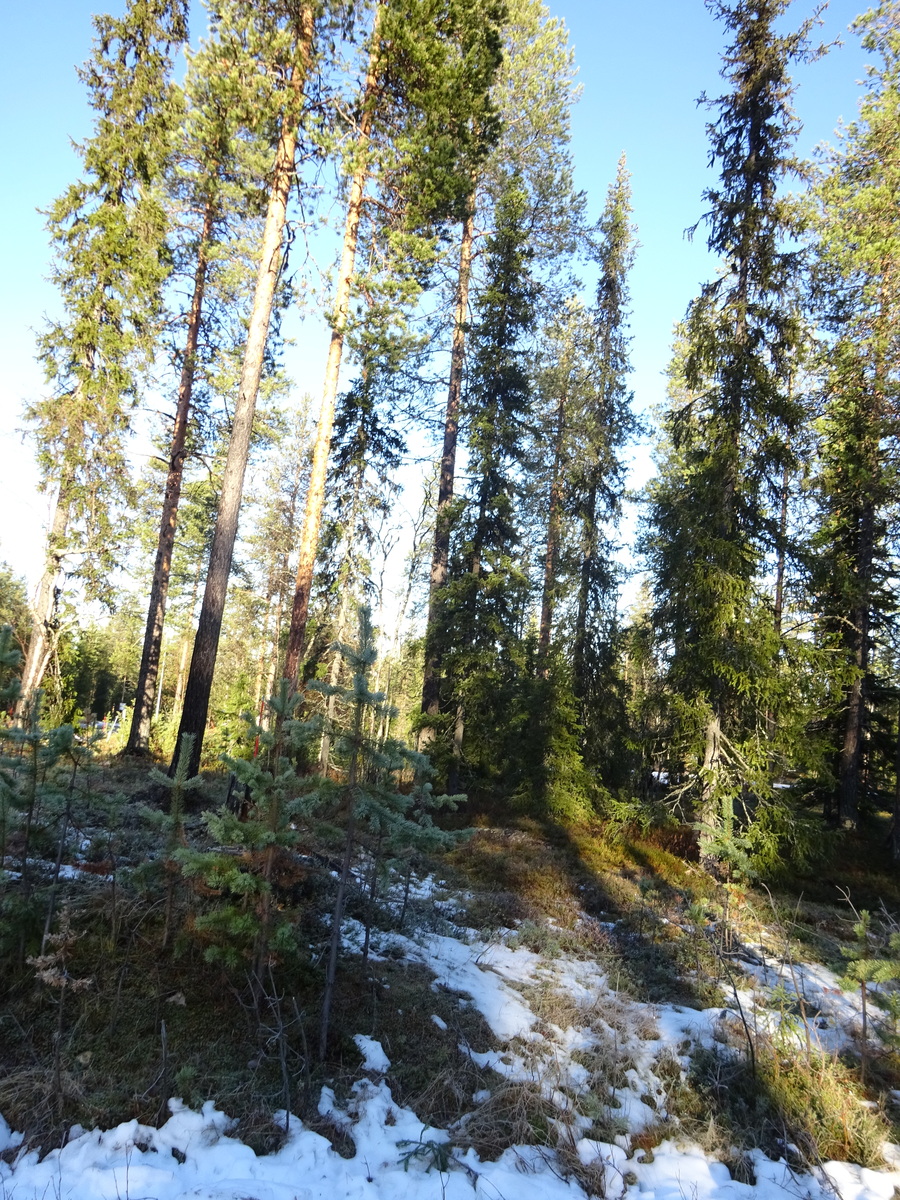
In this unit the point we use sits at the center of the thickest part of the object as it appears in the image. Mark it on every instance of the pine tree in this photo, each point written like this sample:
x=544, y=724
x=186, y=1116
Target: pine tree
x=429, y=70
x=287, y=40
x=111, y=261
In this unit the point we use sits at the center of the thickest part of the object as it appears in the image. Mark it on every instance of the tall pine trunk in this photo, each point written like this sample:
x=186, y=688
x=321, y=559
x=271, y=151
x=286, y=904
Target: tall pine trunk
x=337, y=915
x=315, y=496
x=139, y=735
x=431, y=680
x=206, y=642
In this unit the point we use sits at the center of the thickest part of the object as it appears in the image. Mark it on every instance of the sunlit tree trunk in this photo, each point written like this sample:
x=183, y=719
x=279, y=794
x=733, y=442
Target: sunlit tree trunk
x=44, y=615
x=199, y=685
x=315, y=496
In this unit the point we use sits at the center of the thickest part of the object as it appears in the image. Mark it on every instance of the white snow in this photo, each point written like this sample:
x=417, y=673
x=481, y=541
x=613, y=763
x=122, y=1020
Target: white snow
x=374, y=1057
x=399, y=1158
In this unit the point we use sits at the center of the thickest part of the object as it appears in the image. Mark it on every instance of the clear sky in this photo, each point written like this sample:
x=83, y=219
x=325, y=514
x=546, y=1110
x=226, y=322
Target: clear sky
x=642, y=66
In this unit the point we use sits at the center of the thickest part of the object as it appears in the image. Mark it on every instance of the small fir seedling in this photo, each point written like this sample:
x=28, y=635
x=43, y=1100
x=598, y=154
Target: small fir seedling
x=865, y=967
x=369, y=811
x=247, y=923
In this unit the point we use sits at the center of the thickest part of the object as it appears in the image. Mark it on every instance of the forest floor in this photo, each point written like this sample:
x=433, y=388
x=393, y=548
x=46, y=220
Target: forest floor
x=546, y=1012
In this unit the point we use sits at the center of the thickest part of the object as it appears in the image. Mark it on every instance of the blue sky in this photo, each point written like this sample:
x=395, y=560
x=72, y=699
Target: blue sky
x=642, y=66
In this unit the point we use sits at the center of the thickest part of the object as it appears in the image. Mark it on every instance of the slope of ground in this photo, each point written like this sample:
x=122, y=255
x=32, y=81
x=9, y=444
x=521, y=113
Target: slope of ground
x=558, y=1016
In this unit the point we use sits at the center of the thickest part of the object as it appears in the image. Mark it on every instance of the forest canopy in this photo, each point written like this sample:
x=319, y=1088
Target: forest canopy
x=460, y=471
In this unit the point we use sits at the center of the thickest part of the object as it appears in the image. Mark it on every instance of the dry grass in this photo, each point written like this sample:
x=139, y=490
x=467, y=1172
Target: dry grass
x=516, y=1114
x=808, y=1110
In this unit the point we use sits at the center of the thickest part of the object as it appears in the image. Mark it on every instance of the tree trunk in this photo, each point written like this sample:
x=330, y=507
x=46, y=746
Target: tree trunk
x=850, y=760
x=553, y=521
x=182, y=674
x=185, y=650
x=710, y=813
x=206, y=642
x=781, y=555
x=139, y=735
x=431, y=680
x=780, y=561
x=857, y=641
x=44, y=616
x=588, y=557
x=459, y=729
x=334, y=675
x=315, y=496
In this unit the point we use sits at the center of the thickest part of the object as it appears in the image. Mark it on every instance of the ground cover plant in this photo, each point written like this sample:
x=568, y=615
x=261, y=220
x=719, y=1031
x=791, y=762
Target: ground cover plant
x=576, y=992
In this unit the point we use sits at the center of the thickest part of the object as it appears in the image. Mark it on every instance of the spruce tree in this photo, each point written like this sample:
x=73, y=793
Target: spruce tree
x=532, y=99
x=110, y=263
x=482, y=607
x=604, y=422
x=854, y=577
x=368, y=812
x=729, y=432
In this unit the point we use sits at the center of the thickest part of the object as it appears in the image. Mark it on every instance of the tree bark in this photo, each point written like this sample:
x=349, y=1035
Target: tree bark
x=334, y=675
x=851, y=753
x=857, y=642
x=139, y=735
x=710, y=813
x=431, y=680
x=781, y=553
x=315, y=496
x=552, y=554
x=337, y=915
x=206, y=642
x=44, y=615
x=588, y=558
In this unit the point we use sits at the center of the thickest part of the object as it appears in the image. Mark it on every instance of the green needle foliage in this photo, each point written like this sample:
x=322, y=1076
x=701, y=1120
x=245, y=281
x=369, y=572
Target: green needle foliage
x=864, y=969
x=857, y=199
x=481, y=607
x=10, y=664
x=251, y=871
x=375, y=808
x=729, y=429
x=111, y=263
x=35, y=808
x=383, y=805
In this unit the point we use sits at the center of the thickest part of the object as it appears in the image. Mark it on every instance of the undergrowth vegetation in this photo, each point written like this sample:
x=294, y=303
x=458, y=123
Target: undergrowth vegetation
x=174, y=941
